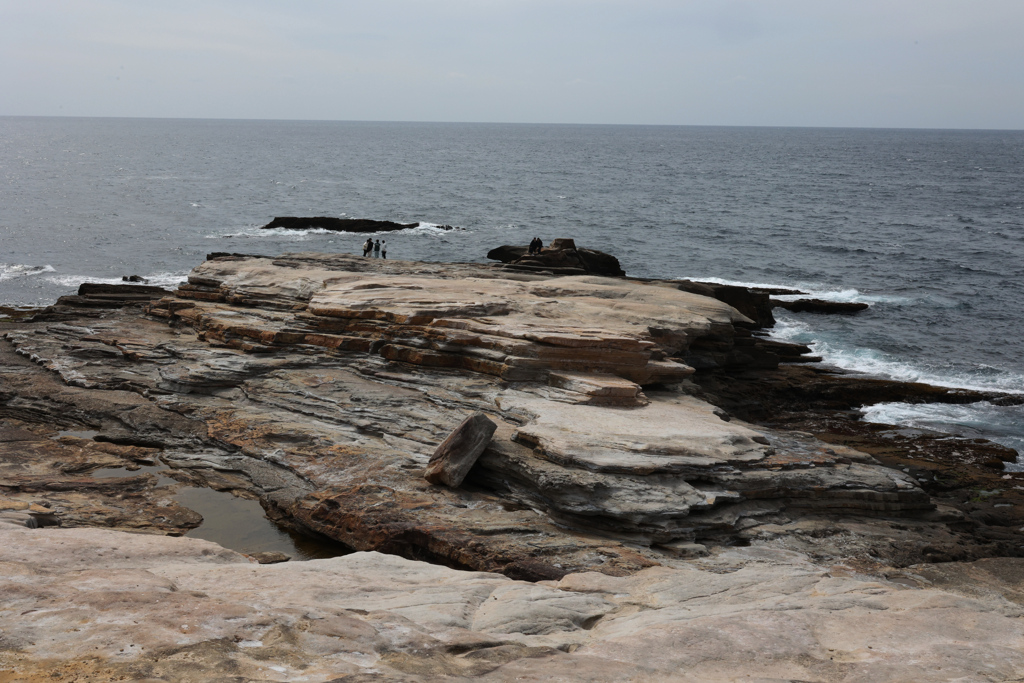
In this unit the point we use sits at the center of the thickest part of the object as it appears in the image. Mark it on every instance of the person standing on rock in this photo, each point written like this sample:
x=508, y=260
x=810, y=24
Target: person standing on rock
x=367, y=246
x=384, y=249
x=376, y=249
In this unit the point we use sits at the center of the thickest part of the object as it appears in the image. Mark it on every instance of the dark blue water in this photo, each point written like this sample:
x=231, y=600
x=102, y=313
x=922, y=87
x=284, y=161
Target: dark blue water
x=926, y=226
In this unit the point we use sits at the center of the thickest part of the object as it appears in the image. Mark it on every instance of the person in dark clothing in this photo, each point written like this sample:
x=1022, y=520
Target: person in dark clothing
x=367, y=246
x=376, y=248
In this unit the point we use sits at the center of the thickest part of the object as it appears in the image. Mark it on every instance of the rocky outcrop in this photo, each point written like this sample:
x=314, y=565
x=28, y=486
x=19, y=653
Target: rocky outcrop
x=561, y=257
x=754, y=304
x=339, y=224
x=97, y=605
x=322, y=384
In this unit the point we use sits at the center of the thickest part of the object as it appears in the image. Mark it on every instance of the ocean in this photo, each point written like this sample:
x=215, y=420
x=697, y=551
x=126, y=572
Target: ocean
x=926, y=226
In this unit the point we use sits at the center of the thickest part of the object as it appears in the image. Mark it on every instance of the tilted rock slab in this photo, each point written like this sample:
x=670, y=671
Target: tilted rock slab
x=453, y=459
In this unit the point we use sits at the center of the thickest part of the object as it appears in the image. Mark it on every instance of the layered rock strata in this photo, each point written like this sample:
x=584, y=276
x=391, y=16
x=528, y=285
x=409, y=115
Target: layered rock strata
x=321, y=384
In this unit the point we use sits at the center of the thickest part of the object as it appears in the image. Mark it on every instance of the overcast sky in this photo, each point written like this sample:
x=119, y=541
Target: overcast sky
x=890, y=63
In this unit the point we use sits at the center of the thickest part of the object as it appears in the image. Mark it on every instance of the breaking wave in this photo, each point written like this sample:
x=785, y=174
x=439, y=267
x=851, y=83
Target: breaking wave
x=876, y=363
x=9, y=271
x=156, y=279
x=816, y=291
x=288, y=234
x=1001, y=424
x=257, y=232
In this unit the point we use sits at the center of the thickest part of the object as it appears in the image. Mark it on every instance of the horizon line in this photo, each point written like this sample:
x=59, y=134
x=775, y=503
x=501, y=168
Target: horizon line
x=501, y=123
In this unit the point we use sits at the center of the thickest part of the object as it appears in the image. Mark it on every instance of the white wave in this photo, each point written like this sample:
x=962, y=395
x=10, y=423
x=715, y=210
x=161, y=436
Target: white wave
x=1001, y=424
x=742, y=283
x=813, y=290
x=9, y=271
x=155, y=279
x=845, y=296
x=257, y=232
x=432, y=229
x=875, y=363
x=929, y=414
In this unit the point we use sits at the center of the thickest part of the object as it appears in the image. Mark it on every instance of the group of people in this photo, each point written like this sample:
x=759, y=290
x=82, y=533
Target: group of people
x=536, y=245
x=378, y=248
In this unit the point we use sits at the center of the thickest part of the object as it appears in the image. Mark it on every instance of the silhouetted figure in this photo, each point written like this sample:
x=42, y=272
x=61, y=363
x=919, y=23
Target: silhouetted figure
x=376, y=248
x=367, y=246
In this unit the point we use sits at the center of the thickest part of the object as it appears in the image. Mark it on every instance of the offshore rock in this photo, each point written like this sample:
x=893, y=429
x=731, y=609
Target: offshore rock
x=561, y=257
x=322, y=383
x=457, y=454
x=337, y=224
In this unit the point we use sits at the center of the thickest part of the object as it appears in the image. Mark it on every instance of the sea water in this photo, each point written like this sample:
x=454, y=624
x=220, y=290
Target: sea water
x=926, y=226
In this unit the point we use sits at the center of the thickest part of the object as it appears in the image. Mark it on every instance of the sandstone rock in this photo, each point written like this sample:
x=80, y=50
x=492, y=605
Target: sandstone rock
x=321, y=384
x=90, y=604
x=457, y=454
x=270, y=557
x=599, y=389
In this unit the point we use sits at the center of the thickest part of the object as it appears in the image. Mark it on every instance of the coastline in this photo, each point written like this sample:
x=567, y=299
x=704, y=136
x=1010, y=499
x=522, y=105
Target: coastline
x=643, y=426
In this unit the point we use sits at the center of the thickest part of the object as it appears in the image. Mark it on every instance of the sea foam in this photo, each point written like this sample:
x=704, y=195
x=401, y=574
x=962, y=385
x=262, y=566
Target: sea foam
x=154, y=279
x=9, y=271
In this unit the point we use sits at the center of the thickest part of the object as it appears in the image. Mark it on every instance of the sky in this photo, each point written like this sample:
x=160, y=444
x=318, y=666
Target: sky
x=856, y=63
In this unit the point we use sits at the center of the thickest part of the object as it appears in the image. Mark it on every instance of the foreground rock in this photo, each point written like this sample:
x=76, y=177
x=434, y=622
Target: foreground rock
x=90, y=604
x=322, y=384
